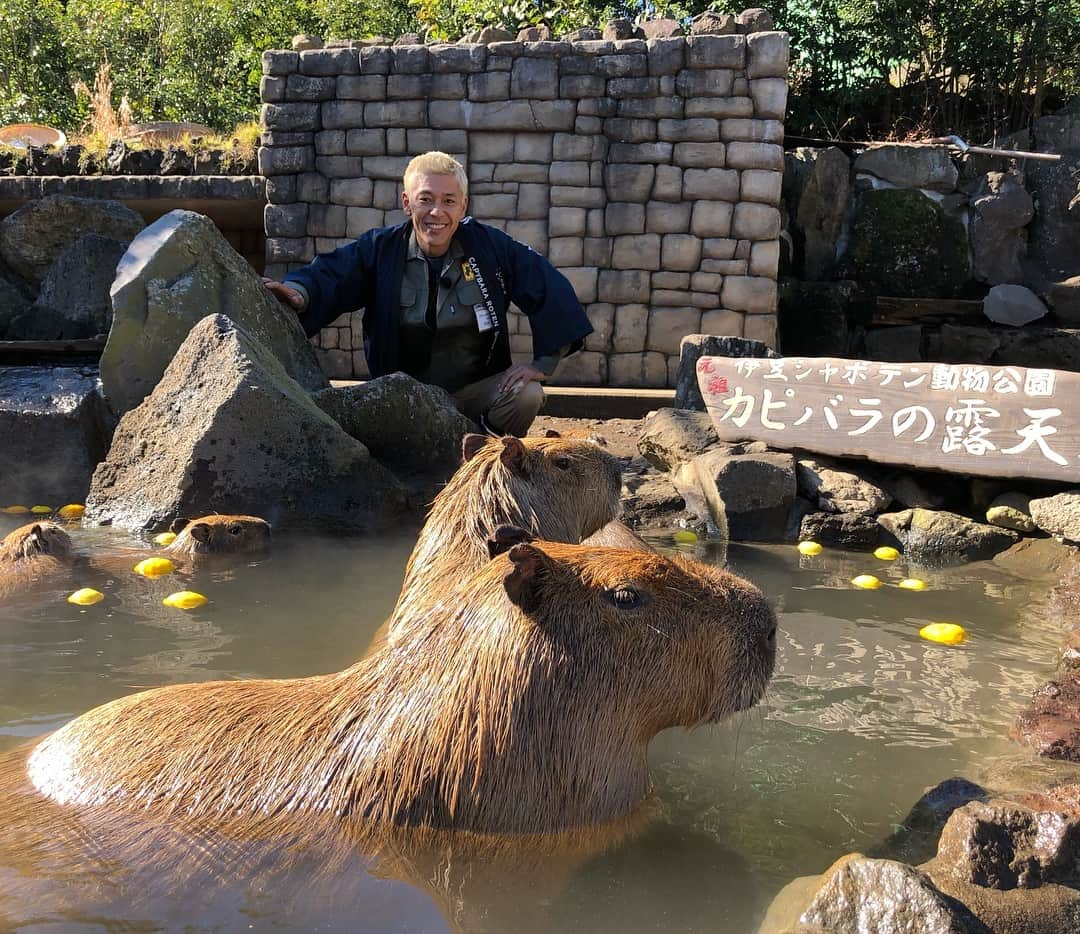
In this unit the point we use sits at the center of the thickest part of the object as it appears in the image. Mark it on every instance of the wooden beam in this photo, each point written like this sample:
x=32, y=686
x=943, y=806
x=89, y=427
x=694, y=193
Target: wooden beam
x=892, y=310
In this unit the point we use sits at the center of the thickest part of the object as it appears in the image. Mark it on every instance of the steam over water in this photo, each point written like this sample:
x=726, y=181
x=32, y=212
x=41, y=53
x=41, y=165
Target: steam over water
x=861, y=717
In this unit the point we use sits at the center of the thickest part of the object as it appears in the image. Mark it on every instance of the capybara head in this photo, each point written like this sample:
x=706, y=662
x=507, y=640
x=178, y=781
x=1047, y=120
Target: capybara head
x=526, y=706
x=37, y=538
x=220, y=535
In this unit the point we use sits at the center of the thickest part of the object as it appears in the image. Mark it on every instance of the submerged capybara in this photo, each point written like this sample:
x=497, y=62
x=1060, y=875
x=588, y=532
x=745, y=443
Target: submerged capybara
x=560, y=490
x=526, y=706
x=34, y=552
x=217, y=535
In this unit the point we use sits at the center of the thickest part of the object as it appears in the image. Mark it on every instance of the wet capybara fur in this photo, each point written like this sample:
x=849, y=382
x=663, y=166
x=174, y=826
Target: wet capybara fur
x=526, y=705
x=34, y=552
x=218, y=535
x=560, y=490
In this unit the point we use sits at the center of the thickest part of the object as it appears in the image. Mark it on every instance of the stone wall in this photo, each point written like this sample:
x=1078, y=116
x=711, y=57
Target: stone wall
x=648, y=171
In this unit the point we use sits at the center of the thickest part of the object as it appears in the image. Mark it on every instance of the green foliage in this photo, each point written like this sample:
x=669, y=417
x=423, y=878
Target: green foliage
x=34, y=64
x=451, y=19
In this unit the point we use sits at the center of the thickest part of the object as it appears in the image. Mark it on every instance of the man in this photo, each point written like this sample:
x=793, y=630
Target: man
x=435, y=292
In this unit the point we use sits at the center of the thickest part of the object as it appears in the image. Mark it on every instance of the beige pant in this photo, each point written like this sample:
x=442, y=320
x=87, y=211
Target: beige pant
x=508, y=413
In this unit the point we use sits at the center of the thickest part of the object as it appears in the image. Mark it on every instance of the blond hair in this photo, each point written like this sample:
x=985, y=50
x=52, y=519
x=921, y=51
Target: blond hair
x=437, y=163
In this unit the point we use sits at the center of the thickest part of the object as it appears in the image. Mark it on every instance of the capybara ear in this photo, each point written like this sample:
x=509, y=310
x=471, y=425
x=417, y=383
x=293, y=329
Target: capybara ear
x=552, y=433
x=506, y=537
x=200, y=531
x=522, y=582
x=37, y=534
x=471, y=445
x=178, y=525
x=513, y=454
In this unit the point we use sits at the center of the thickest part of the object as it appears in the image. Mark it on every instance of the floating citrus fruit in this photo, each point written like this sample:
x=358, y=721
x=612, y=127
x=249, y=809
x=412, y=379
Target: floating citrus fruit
x=809, y=548
x=886, y=553
x=948, y=633
x=71, y=511
x=155, y=567
x=866, y=582
x=912, y=583
x=15, y=510
x=185, y=600
x=87, y=596
x=41, y=510
x=165, y=538
x=685, y=537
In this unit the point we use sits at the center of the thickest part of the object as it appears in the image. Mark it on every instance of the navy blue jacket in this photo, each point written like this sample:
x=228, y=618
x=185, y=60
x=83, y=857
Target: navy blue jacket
x=366, y=274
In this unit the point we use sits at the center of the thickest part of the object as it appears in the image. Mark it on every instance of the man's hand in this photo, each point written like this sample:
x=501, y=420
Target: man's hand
x=518, y=375
x=284, y=293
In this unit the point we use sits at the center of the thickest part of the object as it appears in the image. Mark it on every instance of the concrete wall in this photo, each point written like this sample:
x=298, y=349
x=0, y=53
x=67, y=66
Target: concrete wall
x=648, y=171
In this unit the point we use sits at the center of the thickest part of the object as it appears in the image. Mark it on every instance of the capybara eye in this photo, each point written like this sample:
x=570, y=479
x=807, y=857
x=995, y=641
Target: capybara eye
x=625, y=598
x=236, y=530
x=562, y=462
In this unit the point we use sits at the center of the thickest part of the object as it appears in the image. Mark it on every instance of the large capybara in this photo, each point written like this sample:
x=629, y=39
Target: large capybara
x=219, y=535
x=560, y=490
x=526, y=706
x=37, y=551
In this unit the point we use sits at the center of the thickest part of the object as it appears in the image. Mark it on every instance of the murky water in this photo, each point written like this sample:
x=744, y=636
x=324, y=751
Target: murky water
x=861, y=717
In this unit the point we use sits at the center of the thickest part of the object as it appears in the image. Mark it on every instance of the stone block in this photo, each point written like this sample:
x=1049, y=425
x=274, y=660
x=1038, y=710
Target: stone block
x=650, y=108
x=566, y=222
x=602, y=317
x=619, y=88
x=290, y=249
x=668, y=326
x=489, y=86
x=706, y=282
x=276, y=62
x=751, y=131
x=665, y=55
x=647, y=370
x=329, y=62
x=672, y=298
x=375, y=60
x=587, y=126
x=291, y=117
x=359, y=220
x=533, y=147
x=584, y=280
x=765, y=258
x=330, y=143
x=286, y=160
x=584, y=368
x=631, y=327
x=623, y=217
x=563, y=195
x=313, y=187
x=386, y=194
x=695, y=129
x=622, y=130
x=629, y=182
x=285, y=220
x=770, y=97
x=760, y=185
x=597, y=250
x=409, y=60
x=725, y=267
x=491, y=147
x=567, y=147
x=711, y=219
x=639, y=153
x=361, y=87
x=681, y=252
x=640, y=251
x=521, y=172
x=272, y=89
x=408, y=87
x=756, y=221
x=329, y=244
x=535, y=78
x=310, y=88
x=623, y=285
x=709, y=51
x=621, y=66
x=565, y=251
x=351, y=191
x=533, y=233
x=569, y=173
x=752, y=294
x=281, y=189
x=493, y=206
x=396, y=114
x=668, y=185
x=710, y=185
x=755, y=156
x=723, y=322
x=452, y=141
x=460, y=57
x=663, y=217
x=480, y=172
x=720, y=107
x=576, y=87
x=699, y=155
x=767, y=55
x=718, y=248
x=670, y=280
x=532, y=202
x=760, y=328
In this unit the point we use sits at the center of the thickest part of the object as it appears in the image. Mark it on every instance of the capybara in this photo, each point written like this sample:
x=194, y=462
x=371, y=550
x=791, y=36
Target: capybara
x=526, y=706
x=560, y=490
x=34, y=552
x=216, y=535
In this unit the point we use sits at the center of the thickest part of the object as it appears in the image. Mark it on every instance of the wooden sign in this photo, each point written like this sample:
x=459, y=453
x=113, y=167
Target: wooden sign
x=996, y=421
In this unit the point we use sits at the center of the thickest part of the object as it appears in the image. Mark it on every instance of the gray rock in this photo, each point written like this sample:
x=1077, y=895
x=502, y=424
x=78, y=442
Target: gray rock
x=228, y=430
x=409, y=426
x=176, y=272
x=818, y=190
x=1000, y=210
x=1013, y=305
x=13, y=308
x=840, y=489
x=619, y=28
x=749, y=494
x=930, y=537
x=1058, y=515
x=754, y=20
x=650, y=499
x=1038, y=559
x=1055, y=229
x=54, y=429
x=36, y=234
x=1051, y=724
x=305, y=42
x=74, y=299
x=490, y=34
x=846, y=530
x=916, y=838
x=661, y=28
x=1064, y=298
x=711, y=23
x=693, y=347
x=1011, y=511
x=671, y=437
x=907, y=166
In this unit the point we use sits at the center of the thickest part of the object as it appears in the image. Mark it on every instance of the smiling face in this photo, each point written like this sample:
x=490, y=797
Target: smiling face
x=436, y=204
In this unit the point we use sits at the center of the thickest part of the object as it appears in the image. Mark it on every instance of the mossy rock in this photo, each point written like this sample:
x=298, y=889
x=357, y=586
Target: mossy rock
x=904, y=244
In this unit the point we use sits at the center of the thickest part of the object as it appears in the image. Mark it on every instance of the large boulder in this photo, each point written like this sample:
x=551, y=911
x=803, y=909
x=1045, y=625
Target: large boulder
x=35, y=235
x=1050, y=725
x=228, y=430
x=748, y=494
x=910, y=166
x=693, y=347
x=14, y=306
x=409, y=426
x=1011, y=510
x=1058, y=515
x=905, y=244
x=845, y=530
x=1055, y=229
x=54, y=429
x=1000, y=210
x=671, y=437
x=817, y=186
x=843, y=489
x=74, y=298
x=939, y=537
x=176, y=272
x=1014, y=305
x=1064, y=298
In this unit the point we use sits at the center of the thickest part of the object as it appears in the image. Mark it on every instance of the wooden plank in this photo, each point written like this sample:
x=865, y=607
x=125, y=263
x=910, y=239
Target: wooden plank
x=891, y=310
x=996, y=421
